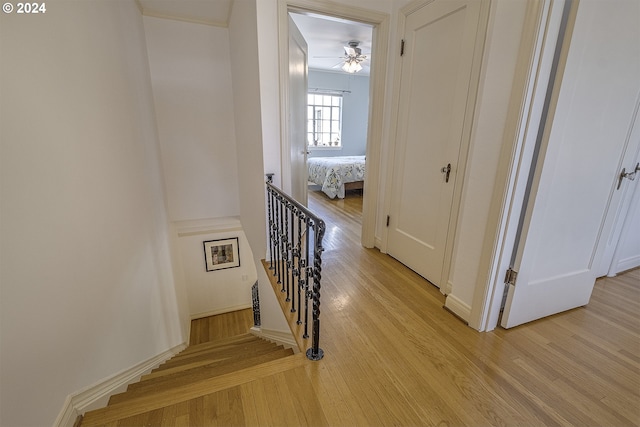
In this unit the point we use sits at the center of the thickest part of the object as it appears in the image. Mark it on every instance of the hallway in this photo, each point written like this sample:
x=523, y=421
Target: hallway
x=394, y=356
x=388, y=341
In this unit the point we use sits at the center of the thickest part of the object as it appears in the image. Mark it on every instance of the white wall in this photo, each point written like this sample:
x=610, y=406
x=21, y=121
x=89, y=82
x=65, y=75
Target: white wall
x=218, y=291
x=192, y=87
x=191, y=80
x=355, y=110
x=252, y=148
x=86, y=286
x=267, y=17
x=501, y=54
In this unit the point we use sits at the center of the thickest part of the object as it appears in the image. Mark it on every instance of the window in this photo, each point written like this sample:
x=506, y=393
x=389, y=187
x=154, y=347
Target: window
x=324, y=115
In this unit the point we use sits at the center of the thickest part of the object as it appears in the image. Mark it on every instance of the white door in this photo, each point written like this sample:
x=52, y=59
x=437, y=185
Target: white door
x=586, y=144
x=297, y=110
x=627, y=254
x=622, y=248
x=439, y=43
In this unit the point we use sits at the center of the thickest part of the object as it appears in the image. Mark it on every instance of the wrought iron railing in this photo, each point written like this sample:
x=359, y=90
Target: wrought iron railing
x=295, y=252
x=255, y=298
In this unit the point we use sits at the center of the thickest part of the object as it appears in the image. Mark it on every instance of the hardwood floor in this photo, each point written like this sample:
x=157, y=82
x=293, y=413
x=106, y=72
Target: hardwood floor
x=395, y=357
x=222, y=326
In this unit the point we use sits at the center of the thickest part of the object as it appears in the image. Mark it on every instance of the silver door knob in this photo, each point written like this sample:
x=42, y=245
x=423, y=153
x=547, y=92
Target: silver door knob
x=629, y=175
x=446, y=170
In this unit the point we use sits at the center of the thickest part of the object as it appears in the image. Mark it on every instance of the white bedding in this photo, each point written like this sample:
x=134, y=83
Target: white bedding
x=333, y=172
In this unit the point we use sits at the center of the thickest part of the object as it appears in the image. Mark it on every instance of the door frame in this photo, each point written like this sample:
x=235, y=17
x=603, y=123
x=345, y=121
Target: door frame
x=380, y=23
x=297, y=43
x=532, y=79
x=467, y=132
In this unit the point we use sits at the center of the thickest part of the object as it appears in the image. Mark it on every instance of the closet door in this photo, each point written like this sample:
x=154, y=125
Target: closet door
x=437, y=69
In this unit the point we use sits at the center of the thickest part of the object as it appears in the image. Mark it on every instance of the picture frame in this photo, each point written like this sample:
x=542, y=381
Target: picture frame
x=221, y=254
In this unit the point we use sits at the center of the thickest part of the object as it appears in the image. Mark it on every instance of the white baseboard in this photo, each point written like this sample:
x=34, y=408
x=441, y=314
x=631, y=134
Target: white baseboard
x=377, y=242
x=97, y=395
x=627, y=264
x=220, y=311
x=279, y=337
x=458, y=307
x=448, y=288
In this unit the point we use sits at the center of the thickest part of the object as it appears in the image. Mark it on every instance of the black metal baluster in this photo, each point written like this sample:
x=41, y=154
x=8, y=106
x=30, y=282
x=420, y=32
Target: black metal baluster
x=274, y=208
x=273, y=232
x=294, y=265
x=304, y=274
x=283, y=236
x=255, y=298
x=287, y=248
x=270, y=219
x=315, y=352
x=308, y=273
x=296, y=256
x=277, y=237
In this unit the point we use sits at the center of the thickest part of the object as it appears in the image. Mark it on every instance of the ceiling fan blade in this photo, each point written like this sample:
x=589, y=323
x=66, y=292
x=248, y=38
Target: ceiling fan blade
x=350, y=51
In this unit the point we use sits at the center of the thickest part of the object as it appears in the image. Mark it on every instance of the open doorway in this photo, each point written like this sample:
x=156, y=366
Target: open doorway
x=339, y=58
x=370, y=118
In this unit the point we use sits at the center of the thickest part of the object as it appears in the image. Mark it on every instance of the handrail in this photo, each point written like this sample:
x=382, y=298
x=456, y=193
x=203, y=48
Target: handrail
x=292, y=226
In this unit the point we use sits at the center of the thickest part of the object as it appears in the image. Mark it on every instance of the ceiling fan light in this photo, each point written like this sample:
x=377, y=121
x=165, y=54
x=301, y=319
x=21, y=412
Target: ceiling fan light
x=351, y=66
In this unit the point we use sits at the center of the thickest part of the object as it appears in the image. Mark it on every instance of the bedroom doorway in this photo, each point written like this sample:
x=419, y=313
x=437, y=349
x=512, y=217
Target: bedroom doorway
x=363, y=121
x=337, y=109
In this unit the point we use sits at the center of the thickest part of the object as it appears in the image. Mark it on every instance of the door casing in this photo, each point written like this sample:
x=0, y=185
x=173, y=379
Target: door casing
x=380, y=23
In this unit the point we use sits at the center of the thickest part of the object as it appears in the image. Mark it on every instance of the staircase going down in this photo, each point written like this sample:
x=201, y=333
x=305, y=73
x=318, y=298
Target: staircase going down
x=195, y=383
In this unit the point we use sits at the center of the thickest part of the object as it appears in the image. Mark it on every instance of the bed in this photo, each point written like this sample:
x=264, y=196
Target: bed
x=337, y=174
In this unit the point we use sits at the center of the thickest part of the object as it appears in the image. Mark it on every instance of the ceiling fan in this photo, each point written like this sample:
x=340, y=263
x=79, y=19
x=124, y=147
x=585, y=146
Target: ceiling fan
x=353, y=58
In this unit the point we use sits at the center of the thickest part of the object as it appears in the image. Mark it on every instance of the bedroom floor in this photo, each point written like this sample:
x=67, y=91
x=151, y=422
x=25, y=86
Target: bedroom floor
x=347, y=212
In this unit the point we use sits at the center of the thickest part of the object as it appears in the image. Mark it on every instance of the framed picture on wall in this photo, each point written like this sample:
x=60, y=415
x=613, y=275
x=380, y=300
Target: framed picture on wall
x=221, y=254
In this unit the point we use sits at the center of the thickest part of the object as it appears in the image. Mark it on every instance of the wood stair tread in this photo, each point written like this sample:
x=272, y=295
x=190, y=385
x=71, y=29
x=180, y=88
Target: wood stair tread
x=222, y=342
x=214, y=360
x=197, y=374
x=236, y=406
x=219, y=353
x=247, y=339
x=162, y=398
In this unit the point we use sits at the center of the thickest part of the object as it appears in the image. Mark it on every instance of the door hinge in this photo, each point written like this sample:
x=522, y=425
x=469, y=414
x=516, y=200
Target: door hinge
x=402, y=47
x=511, y=277
x=388, y=218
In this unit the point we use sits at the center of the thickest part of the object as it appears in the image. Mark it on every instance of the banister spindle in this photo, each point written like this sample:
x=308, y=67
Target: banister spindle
x=316, y=353
x=276, y=235
x=270, y=222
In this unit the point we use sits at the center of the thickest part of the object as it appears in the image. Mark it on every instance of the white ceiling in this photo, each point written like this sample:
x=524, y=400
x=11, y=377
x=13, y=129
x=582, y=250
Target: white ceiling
x=325, y=36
